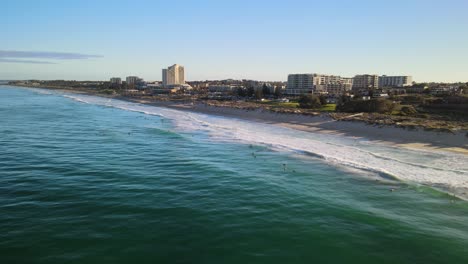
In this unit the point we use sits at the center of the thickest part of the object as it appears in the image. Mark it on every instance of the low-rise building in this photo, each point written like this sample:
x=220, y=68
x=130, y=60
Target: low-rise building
x=379, y=94
x=153, y=85
x=222, y=88
x=416, y=89
x=443, y=90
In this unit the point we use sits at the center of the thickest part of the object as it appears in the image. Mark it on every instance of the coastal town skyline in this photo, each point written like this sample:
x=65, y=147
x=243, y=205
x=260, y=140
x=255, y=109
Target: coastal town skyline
x=256, y=40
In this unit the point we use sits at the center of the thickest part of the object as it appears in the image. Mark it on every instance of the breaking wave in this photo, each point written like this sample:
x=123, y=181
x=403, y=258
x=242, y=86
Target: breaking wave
x=436, y=169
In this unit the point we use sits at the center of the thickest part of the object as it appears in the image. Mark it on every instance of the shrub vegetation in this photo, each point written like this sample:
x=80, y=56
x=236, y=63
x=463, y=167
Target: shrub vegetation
x=309, y=101
x=368, y=106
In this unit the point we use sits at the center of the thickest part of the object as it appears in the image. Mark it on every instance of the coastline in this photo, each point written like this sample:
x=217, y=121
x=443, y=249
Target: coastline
x=415, y=138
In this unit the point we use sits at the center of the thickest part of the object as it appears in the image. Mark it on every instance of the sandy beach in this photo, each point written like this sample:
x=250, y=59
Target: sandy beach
x=415, y=138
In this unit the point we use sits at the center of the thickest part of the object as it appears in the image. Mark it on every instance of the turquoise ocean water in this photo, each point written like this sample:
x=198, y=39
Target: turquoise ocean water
x=91, y=180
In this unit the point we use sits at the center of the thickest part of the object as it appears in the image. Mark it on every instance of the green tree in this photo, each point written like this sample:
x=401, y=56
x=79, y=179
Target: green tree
x=369, y=106
x=464, y=88
x=278, y=92
x=250, y=91
x=408, y=110
x=266, y=90
x=309, y=101
x=342, y=100
x=242, y=92
x=323, y=99
x=258, y=94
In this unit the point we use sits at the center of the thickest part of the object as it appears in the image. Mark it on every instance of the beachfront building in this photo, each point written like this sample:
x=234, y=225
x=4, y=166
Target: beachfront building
x=337, y=85
x=443, y=90
x=115, y=81
x=223, y=88
x=365, y=82
x=299, y=84
x=332, y=84
x=173, y=76
x=135, y=82
x=417, y=89
x=395, y=81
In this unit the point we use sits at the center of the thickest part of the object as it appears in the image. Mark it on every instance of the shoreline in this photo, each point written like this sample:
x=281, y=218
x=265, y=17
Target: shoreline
x=416, y=138
x=412, y=139
x=421, y=141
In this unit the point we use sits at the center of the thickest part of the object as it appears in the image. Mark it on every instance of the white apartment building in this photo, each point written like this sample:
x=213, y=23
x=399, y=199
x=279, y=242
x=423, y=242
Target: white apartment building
x=115, y=80
x=365, y=82
x=132, y=80
x=336, y=85
x=223, y=88
x=395, y=81
x=173, y=76
x=299, y=84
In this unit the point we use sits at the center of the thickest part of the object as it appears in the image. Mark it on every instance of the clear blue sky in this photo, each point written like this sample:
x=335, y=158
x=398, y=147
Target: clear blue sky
x=217, y=39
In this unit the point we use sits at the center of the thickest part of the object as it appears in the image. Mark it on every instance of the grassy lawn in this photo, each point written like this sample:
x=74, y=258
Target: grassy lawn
x=280, y=104
x=325, y=108
x=328, y=108
x=288, y=105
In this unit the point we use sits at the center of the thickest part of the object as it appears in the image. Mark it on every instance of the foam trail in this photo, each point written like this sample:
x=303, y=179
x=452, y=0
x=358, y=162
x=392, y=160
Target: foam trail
x=437, y=168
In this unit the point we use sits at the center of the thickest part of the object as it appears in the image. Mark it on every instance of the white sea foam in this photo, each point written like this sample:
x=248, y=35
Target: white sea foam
x=437, y=168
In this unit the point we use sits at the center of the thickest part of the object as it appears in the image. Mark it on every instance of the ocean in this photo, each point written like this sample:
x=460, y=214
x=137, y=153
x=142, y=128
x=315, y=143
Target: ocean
x=85, y=179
